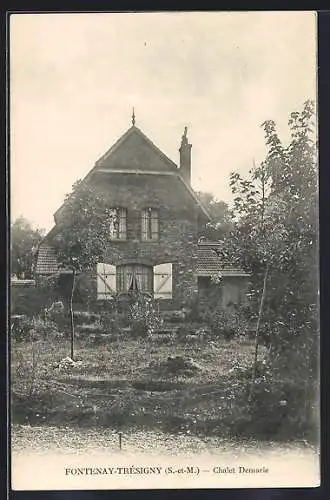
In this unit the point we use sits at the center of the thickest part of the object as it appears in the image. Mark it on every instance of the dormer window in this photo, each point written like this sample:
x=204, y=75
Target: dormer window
x=149, y=224
x=117, y=224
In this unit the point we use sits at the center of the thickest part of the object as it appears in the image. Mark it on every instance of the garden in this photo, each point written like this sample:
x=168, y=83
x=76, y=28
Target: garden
x=190, y=379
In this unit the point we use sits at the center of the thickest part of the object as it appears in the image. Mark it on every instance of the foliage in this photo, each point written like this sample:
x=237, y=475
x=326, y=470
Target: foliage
x=30, y=329
x=227, y=323
x=82, y=234
x=20, y=327
x=283, y=405
x=220, y=222
x=57, y=315
x=44, y=328
x=48, y=282
x=32, y=375
x=83, y=228
x=84, y=290
x=24, y=242
x=143, y=315
x=275, y=229
x=26, y=374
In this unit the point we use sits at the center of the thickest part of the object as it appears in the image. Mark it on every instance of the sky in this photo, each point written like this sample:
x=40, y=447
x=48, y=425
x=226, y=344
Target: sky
x=74, y=79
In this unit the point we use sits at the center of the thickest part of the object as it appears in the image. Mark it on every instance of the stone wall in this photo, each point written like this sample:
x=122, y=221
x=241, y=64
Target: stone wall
x=179, y=226
x=30, y=300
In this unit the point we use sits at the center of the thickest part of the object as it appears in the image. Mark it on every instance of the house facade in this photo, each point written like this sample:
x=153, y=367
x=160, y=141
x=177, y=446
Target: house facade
x=154, y=244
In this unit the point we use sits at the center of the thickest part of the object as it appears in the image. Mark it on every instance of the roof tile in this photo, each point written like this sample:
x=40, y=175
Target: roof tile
x=209, y=263
x=46, y=260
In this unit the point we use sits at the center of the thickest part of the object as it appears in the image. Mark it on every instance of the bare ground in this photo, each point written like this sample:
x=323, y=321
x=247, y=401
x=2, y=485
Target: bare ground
x=66, y=439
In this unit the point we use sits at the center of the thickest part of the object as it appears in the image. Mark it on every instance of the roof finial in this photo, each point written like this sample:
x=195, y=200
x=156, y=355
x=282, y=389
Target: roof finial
x=133, y=117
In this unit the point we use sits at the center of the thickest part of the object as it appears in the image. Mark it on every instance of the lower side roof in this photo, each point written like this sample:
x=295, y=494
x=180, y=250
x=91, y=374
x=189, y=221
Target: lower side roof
x=208, y=261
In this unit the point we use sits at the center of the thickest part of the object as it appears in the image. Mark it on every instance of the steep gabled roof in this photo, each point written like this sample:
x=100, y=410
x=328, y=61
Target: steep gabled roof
x=134, y=150
x=135, y=153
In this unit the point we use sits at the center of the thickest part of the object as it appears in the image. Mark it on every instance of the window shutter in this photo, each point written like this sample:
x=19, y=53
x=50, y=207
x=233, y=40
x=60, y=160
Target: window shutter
x=163, y=281
x=106, y=281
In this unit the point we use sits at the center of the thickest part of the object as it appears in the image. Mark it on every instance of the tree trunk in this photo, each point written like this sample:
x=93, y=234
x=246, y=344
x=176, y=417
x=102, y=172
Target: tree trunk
x=255, y=361
x=71, y=314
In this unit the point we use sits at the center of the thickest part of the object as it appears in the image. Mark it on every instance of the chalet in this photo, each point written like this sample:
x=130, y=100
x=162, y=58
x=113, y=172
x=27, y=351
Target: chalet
x=155, y=248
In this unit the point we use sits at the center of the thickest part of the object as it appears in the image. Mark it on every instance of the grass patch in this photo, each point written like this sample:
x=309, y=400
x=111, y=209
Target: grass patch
x=140, y=383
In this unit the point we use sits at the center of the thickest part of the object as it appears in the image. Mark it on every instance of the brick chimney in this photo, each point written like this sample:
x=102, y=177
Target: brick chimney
x=185, y=157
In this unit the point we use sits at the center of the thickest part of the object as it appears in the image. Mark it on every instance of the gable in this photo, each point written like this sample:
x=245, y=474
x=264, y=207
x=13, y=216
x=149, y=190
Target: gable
x=134, y=151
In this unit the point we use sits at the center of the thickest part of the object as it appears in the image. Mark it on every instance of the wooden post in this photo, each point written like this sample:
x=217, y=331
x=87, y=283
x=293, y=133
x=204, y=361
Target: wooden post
x=120, y=440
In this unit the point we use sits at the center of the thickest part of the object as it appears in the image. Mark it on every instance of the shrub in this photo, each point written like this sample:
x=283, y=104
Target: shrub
x=20, y=327
x=56, y=314
x=224, y=322
x=283, y=408
x=30, y=374
x=143, y=316
x=30, y=329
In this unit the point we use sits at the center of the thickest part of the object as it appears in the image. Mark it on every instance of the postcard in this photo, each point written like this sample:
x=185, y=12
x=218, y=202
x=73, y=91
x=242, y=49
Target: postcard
x=164, y=316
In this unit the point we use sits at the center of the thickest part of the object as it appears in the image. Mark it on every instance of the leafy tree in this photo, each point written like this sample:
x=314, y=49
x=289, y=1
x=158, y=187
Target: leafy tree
x=24, y=242
x=82, y=234
x=220, y=222
x=275, y=238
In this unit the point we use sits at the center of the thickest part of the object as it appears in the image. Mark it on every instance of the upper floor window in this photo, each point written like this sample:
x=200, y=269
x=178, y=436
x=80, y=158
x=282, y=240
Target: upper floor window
x=149, y=224
x=117, y=228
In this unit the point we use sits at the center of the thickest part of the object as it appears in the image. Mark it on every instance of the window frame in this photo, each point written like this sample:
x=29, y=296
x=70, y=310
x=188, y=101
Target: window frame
x=132, y=275
x=149, y=221
x=119, y=233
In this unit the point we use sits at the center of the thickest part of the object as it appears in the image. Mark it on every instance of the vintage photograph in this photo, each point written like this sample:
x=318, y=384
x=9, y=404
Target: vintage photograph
x=164, y=278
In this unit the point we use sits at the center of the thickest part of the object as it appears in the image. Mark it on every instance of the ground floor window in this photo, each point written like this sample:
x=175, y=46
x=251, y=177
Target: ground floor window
x=156, y=280
x=134, y=278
